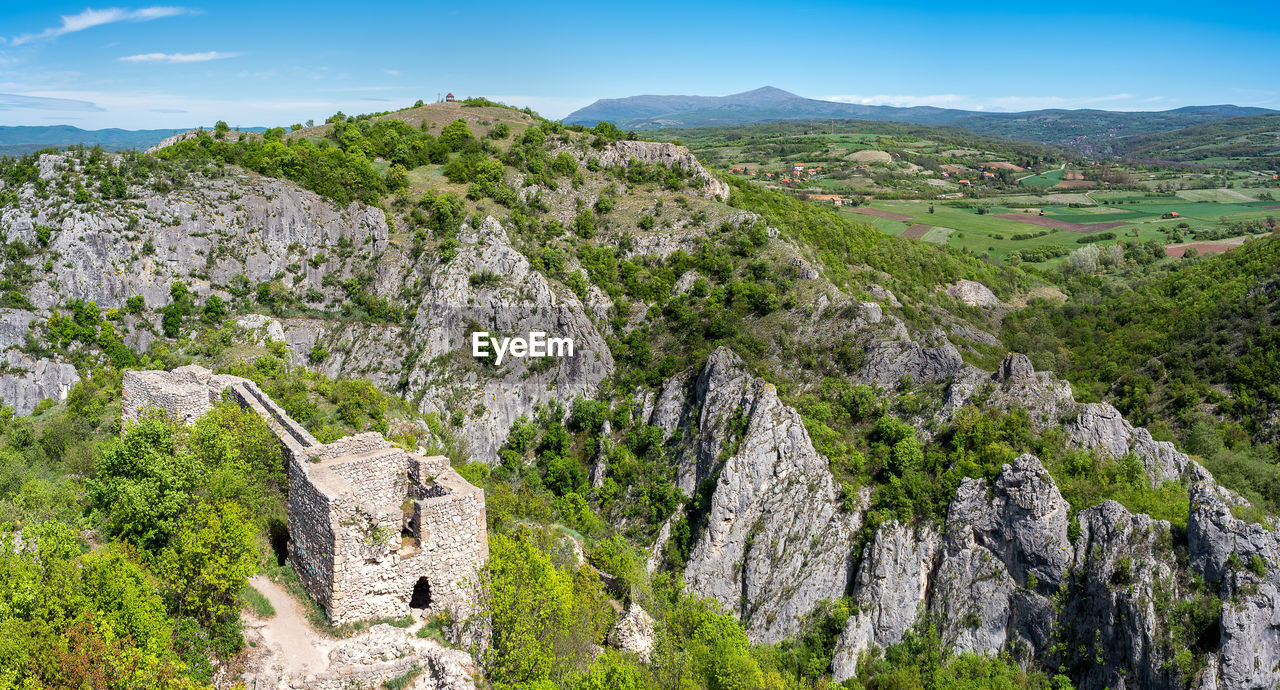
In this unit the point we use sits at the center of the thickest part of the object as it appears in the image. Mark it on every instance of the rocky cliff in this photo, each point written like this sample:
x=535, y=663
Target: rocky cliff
x=773, y=539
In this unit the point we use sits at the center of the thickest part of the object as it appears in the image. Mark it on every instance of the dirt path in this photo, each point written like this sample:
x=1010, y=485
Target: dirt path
x=293, y=643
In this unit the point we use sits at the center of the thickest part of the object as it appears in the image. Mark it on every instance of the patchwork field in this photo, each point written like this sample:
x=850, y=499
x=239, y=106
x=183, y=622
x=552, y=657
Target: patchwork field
x=1073, y=221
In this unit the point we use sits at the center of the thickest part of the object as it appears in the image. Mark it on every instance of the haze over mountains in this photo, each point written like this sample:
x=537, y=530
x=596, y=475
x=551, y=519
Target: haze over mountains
x=1089, y=131
x=15, y=141
x=1059, y=127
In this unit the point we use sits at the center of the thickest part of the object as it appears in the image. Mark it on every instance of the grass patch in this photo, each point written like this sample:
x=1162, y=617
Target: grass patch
x=403, y=680
x=256, y=602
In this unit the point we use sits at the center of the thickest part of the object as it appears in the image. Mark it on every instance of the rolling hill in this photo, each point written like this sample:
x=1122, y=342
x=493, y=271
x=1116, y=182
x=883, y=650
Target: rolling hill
x=1090, y=131
x=1241, y=139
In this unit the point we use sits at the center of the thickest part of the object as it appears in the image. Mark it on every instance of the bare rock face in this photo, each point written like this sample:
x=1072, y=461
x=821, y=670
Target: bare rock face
x=517, y=301
x=1024, y=524
x=775, y=540
x=1015, y=383
x=1243, y=561
x=986, y=583
x=176, y=139
x=14, y=326
x=891, y=590
x=669, y=155
x=1124, y=562
x=634, y=633
x=25, y=381
x=973, y=294
x=241, y=224
x=1101, y=426
x=891, y=360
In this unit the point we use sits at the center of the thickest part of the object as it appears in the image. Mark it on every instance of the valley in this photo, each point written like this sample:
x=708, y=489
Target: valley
x=985, y=196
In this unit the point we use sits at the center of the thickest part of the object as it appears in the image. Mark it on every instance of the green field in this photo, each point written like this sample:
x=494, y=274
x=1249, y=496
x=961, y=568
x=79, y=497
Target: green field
x=984, y=233
x=1043, y=180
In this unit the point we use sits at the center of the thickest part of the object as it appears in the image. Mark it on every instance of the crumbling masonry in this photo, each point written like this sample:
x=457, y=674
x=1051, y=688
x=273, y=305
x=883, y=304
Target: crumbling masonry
x=374, y=531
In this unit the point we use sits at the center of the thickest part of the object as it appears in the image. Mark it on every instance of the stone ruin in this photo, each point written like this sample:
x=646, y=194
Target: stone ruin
x=375, y=531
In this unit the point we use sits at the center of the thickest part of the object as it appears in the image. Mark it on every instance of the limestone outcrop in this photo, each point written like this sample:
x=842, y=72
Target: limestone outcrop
x=668, y=155
x=973, y=294
x=775, y=539
x=25, y=381
x=520, y=301
x=634, y=633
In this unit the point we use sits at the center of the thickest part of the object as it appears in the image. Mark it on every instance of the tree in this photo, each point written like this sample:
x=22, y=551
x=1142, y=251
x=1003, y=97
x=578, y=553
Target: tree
x=215, y=309
x=144, y=481
x=544, y=619
x=209, y=561
x=455, y=135
x=397, y=177
x=1085, y=259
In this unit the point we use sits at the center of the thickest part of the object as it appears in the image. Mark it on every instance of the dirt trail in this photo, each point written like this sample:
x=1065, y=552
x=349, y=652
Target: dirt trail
x=294, y=644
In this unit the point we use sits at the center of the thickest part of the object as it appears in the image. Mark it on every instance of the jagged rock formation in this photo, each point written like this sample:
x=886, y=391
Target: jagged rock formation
x=774, y=540
x=1242, y=560
x=522, y=302
x=634, y=633
x=242, y=228
x=892, y=586
x=243, y=224
x=658, y=153
x=1015, y=383
x=1006, y=557
x=985, y=580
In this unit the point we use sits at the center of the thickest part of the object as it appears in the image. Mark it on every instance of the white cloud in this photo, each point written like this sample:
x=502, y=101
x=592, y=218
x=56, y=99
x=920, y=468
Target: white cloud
x=14, y=101
x=179, y=57
x=91, y=18
x=392, y=72
x=946, y=100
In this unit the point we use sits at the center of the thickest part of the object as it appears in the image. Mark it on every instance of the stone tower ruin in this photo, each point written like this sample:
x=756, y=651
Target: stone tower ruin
x=375, y=531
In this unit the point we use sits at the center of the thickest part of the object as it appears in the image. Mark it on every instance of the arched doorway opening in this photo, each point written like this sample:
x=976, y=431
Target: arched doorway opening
x=421, y=597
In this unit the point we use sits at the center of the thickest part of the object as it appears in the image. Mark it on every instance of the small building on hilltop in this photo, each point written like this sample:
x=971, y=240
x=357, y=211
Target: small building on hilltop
x=448, y=97
x=375, y=531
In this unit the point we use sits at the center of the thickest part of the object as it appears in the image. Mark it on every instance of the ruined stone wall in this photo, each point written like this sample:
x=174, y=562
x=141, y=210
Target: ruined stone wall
x=311, y=535
x=453, y=540
x=375, y=572
x=346, y=505
x=299, y=445
x=381, y=475
x=182, y=395
x=352, y=445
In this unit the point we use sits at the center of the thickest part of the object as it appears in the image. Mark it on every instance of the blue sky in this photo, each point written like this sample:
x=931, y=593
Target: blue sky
x=274, y=63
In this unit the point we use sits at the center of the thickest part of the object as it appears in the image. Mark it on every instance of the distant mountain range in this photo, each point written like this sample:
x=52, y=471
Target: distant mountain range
x=16, y=141
x=1083, y=129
